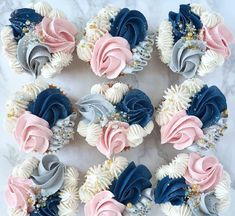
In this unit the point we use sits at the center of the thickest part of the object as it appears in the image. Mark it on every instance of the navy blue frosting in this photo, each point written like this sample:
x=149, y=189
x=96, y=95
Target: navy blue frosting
x=170, y=190
x=181, y=19
x=207, y=105
x=133, y=180
x=18, y=21
x=131, y=25
x=50, y=208
x=51, y=105
x=138, y=107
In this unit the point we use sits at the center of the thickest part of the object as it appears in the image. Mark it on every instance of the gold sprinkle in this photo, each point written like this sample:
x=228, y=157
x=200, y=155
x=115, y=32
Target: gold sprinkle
x=25, y=30
x=129, y=205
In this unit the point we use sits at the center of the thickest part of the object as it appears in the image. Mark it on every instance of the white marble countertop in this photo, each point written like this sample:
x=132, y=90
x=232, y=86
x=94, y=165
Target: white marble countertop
x=77, y=79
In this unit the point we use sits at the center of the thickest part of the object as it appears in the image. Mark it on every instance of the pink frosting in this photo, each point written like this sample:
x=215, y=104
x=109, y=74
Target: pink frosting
x=57, y=34
x=32, y=133
x=110, y=56
x=17, y=192
x=203, y=171
x=114, y=138
x=182, y=130
x=217, y=38
x=103, y=204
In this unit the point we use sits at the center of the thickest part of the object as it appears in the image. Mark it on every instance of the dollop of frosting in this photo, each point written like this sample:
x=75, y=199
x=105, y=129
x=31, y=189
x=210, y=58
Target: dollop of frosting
x=32, y=55
x=131, y=25
x=49, y=176
x=218, y=39
x=207, y=105
x=130, y=184
x=181, y=21
x=22, y=19
x=17, y=192
x=138, y=107
x=32, y=133
x=50, y=208
x=171, y=190
x=182, y=130
x=58, y=34
x=186, y=55
x=205, y=171
x=51, y=105
x=114, y=138
x=95, y=108
x=103, y=203
x=110, y=56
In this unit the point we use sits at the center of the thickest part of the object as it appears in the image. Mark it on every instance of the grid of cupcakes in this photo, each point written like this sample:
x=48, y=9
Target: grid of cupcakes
x=117, y=187
x=42, y=187
x=193, y=185
x=41, y=117
x=115, y=117
x=194, y=41
x=39, y=40
x=192, y=115
x=116, y=42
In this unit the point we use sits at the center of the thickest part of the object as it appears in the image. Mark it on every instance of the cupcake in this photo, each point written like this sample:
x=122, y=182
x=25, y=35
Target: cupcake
x=116, y=42
x=118, y=188
x=192, y=185
x=42, y=187
x=193, y=41
x=115, y=117
x=192, y=115
x=39, y=40
x=41, y=117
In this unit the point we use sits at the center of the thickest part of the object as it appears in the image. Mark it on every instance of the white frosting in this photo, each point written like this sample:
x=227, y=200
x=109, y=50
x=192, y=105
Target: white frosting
x=135, y=135
x=61, y=59
x=93, y=134
x=165, y=41
x=197, y=9
x=122, y=87
x=42, y=8
x=71, y=177
x=192, y=86
x=69, y=196
x=17, y=212
x=49, y=71
x=113, y=95
x=67, y=209
x=86, y=193
x=82, y=128
x=209, y=62
x=109, y=12
x=99, y=89
x=84, y=50
x=169, y=210
x=210, y=19
x=55, y=14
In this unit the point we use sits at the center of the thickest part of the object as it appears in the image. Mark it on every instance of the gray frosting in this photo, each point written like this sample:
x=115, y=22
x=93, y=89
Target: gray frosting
x=204, y=205
x=32, y=55
x=186, y=57
x=49, y=176
x=95, y=108
x=63, y=132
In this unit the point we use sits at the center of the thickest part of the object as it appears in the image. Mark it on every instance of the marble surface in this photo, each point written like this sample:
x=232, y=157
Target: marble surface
x=77, y=79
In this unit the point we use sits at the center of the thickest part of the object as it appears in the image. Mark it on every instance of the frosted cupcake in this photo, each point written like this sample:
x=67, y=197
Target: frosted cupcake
x=194, y=41
x=41, y=117
x=192, y=115
x=39, y=40
x=118, y=188
x=46, y=187
x=116, y=41
x=192, y=185
x=115, y=117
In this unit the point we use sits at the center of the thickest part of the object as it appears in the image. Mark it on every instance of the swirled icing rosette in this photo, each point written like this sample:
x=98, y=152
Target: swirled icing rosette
x=41, y=117
x=192, y=115
x=39, y=40
x=43, y=187
x=193, y=41
x=116, y=41
x=192, y=184
x=115, y=117
x=118, y=188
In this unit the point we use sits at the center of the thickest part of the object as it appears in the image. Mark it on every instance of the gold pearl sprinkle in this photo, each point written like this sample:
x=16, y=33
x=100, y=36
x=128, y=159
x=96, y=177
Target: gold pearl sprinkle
x=129, y=205
x=25, y=30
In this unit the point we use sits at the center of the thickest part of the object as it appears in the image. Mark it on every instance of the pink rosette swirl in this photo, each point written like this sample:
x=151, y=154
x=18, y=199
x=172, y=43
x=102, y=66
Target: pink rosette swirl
x=182, y=130
x=110, y=56
x=103, y=204
x=205, y=172
x=217, y=38
x=32, y=133
x=114, y=138
x=17, y=192
x=57, y=34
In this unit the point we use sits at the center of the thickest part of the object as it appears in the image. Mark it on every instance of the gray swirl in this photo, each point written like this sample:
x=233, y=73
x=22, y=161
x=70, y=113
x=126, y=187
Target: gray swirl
x=95, y=108
x=32, y=55
x=206, y=204
x=49, y=176
x=186, y=57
